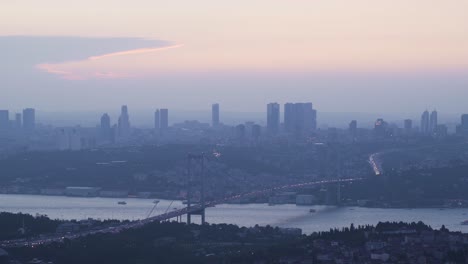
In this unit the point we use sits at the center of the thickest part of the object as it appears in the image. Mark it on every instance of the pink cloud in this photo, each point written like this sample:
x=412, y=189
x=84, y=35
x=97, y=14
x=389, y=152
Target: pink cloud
x=84, y=74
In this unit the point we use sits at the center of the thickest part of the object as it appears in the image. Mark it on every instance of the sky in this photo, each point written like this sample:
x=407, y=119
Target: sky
x=344, y=56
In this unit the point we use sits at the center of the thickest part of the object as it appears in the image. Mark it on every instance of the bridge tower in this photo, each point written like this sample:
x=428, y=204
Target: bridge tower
x=194, y=178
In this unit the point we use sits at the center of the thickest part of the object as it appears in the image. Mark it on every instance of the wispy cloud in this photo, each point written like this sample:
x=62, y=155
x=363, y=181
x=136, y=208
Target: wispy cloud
x=136, y=51
x=84, y=74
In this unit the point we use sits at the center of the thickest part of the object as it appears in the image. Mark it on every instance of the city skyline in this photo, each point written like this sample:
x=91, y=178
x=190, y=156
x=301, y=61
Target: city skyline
x=357, y=60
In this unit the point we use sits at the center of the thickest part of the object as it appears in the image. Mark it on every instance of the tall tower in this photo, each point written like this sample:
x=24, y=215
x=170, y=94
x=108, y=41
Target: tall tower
x=106, y=131
x=164, y=118
x=124, y=122
x=4, y=119
x=433, y=122
x=425, y=122
x=273, y=118
x=157, y=119
x=18, y=121
x=215, y=115
x=408, y=126
x=29, y=119
x=196, y=178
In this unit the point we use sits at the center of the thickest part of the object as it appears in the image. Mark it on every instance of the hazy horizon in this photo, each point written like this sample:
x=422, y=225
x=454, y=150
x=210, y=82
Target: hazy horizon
x=357, y=56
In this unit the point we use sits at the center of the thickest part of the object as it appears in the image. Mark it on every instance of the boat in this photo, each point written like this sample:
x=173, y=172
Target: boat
x=312, y=211
x=122, y=203
x=156, y=201
x=464, y=222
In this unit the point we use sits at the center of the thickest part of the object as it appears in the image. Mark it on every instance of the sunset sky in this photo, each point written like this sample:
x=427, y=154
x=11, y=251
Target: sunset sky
x=341, y=55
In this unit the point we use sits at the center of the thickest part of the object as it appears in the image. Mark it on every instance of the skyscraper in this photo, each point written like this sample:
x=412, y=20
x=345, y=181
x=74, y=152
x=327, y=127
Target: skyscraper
x=408, y=126
x=273, y=118
x=463, y=127
x=106, y=130
x=289, y=117
x=464, y=121
x=157, y=119
x=29, y=119
x=164, y=118
x=18, y=121
x=433, y=122
x=215, y=115
x=380, y=127
x=299, y=117
x=425, y=122
x=124, y=122
x=4, y=119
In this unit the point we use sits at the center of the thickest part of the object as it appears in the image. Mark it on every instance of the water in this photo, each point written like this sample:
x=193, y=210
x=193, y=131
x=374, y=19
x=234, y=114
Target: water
x=323, y=219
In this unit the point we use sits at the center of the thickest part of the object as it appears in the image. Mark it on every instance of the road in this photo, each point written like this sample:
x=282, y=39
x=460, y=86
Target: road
x=376, y=163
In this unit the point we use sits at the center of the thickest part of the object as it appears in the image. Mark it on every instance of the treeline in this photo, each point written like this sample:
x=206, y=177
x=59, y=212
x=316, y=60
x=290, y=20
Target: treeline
x=22, y=225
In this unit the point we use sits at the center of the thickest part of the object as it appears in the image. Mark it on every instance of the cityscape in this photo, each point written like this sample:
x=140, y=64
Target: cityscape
x=233, y=132
x=297, y=122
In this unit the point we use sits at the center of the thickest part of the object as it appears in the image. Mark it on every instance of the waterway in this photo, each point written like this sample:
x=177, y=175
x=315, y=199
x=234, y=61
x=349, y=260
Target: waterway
x=325, y=217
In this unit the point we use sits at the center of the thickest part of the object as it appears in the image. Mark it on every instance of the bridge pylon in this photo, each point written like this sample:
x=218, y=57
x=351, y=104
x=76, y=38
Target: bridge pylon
x=192, y=178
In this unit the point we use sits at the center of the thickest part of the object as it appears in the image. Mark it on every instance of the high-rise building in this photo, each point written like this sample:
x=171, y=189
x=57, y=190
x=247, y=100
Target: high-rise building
x=106, y=130
x=464, y=121
x=124, y=122
x=299, y=117
x=18, y=121
x=463, y=127
x=314, y=119
x=408, y=126
x=289, y=117
x=425, y=122
x=433, y=122
x=215, y=115
x=380, y=127
x=157, y=119
x=29, y=119
x=4, y=119
x=164, y=119
x=273, y=118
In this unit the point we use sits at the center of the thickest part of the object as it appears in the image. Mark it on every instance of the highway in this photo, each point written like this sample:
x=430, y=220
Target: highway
x=51, y=238
x=375, y=163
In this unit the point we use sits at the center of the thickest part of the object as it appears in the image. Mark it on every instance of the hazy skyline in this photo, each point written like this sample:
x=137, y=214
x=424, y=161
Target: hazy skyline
x=357, y=56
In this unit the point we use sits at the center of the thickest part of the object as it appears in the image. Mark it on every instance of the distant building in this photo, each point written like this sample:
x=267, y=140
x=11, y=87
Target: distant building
x=18, y=121
x=124, y=122
x=273, y=118
x=82, y=191
x=464, y=121
x=380, y=127
x=433, y=122
x=408, y=126
x=164, y=115
x=240, y=131
x=441, y=131
x=463, y=127
x=75, y=139
x=69, y=139
x=215, y=115
x=425, y=123
x=256, y=131
x=4, y=119
x=29, y=119
x=106, y=129
x=299, y=118
x=157, y=120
